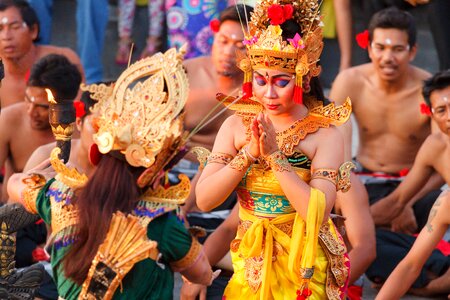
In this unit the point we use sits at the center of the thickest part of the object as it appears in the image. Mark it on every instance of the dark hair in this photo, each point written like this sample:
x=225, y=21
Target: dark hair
x=26, y=11
x=111, y=188
x=392, y=17
x=438, y=81
x=290, y=28
x=58, y=74
x=236, y=13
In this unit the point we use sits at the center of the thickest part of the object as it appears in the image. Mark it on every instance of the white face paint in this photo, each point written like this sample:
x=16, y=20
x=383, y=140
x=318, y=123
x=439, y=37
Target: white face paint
x=4, y=20
x=445, y=98
x=233, y=37
x=388, y=42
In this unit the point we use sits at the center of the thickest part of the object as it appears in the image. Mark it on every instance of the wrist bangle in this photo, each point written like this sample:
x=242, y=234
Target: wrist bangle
x=278, y=161
x=249, y=154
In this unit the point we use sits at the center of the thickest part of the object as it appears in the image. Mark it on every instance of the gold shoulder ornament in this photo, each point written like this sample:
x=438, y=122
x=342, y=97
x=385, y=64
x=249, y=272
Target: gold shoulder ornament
x=69, y=176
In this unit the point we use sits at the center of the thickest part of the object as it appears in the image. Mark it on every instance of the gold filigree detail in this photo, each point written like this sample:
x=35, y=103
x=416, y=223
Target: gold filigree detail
x=153, y=90
x=241, y=161
x=69, y=176
x=98, y=91
x=253, y=272
x=327, y=174
x=202, y=155
x=176, y=194
x=126, y=244
x=336, y=115
x=34, y=183
x=219, y=158
x=63, y=132
x=278, y=162
x=269, y=50
x=343, y=179
x=190, y=258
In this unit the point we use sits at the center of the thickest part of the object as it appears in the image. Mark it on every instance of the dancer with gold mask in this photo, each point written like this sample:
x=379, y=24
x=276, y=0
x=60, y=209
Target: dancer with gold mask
x=117, y=227
x=283, y=156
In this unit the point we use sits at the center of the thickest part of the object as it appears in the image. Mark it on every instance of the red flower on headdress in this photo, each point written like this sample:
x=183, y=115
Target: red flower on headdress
x=39, y=254
x=362, y=39
x=425, y=109
x=278, y=14
x=79, y=109
x=214, y=24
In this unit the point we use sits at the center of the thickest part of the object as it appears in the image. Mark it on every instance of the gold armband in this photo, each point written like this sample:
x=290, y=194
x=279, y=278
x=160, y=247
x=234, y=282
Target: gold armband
x=327, y=174
x=340, y=178
x=219, y=158
x=278, y=162
x=190, y=258
x=241, y=161
x=34, y=182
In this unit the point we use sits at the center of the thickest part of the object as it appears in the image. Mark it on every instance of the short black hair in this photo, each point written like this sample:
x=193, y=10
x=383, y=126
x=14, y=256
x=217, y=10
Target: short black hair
x=438, y=81
x=58, y=74
x=392, y=17
x=26, y=11
x=236, y=13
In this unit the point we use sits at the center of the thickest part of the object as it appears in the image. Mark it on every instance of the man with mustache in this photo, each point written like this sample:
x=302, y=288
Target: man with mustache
x=386, y=97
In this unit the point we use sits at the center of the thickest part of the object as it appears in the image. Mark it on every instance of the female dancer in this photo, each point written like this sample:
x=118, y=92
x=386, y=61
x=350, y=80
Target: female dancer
x=282, y=157
x=115, y=228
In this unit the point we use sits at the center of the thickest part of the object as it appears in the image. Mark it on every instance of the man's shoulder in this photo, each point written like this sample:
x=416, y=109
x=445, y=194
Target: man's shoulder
x=349, y=83
x=11, y=112
x=419, y=74
x=198, y=62
x=45, y=50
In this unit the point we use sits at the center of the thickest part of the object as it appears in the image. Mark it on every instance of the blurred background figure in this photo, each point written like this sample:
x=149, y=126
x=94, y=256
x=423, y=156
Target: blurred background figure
x=156, y=24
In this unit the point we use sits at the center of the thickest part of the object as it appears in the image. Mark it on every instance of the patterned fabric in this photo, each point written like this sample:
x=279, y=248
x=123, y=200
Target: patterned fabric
x=188, y=22
x=126, y=17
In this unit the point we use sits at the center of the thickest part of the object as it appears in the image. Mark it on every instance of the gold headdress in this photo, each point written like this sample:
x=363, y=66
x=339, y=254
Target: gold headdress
x=267, y=49
x=141, y=115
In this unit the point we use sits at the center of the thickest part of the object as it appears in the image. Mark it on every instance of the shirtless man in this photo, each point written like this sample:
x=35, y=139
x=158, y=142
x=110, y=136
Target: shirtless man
x=386, y=96
x=24, y=126
x=19, y=28
x=434, y=155
x=209, y=75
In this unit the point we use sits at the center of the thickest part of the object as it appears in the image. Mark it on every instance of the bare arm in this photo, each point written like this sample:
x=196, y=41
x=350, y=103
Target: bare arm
x=39, y=155
x=219, y=179
x=344, y=31
x=409, y=268
x=218, y=243
x=359, y=227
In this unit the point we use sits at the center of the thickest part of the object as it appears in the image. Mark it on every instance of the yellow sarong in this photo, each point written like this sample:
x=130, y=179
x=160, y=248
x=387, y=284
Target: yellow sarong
x=268, y=254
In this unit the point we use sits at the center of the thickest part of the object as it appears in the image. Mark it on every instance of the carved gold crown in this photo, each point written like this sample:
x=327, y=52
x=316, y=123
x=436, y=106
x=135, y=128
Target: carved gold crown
x=141, y=115
x=267, y=49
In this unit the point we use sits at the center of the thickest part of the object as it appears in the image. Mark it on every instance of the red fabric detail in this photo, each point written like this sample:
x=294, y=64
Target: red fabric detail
x=40, y=221
x=403, y=172
x=247, y=90
x=27, y=75
x=94, y=155
x=39, y=254
x=298, y=94
x=214, y=25
x=80, y=111
x=362, y=39
x=425, y=109
x=354, y=292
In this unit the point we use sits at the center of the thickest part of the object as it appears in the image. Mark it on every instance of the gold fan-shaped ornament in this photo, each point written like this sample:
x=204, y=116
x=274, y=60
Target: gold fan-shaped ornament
x=125, y=245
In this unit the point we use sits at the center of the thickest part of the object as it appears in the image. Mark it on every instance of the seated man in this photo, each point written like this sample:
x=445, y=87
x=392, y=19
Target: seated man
x=421, y=264
x=386, y=95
